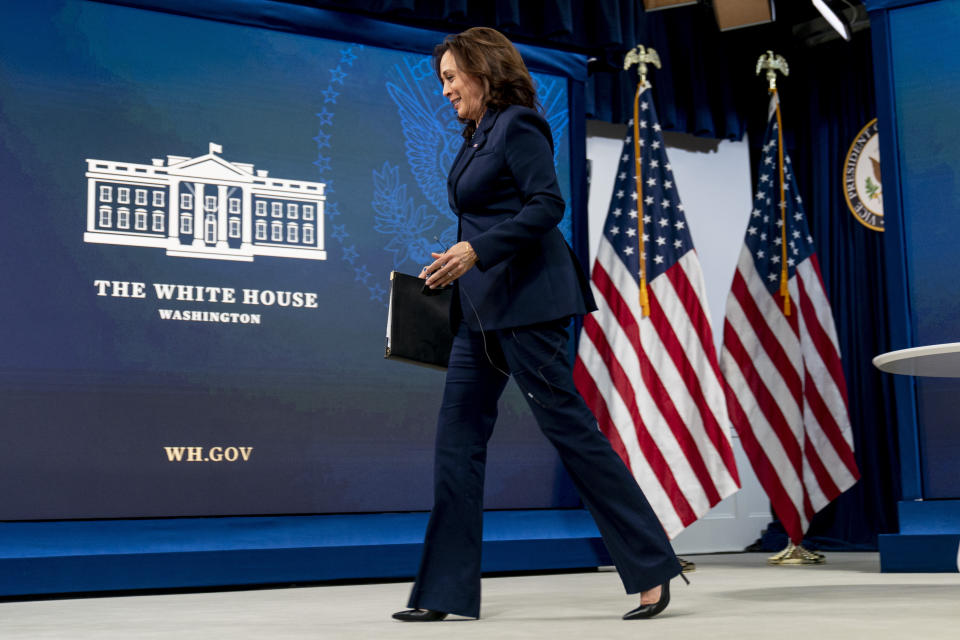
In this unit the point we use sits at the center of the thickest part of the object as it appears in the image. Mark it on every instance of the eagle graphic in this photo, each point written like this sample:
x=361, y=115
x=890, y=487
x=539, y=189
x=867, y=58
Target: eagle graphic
x=431, y=140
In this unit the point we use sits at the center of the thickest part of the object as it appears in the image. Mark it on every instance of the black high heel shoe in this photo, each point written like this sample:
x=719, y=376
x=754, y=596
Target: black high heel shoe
x=419, y=615
x=650, y=610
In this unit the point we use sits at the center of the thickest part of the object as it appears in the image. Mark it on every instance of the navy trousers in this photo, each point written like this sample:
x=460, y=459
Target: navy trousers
x=449, y=575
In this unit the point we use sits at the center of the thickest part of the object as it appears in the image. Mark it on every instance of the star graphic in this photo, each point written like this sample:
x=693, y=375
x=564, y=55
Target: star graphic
x=322, y=139
x=336, y=75
x=347, y=56
x=330, y=95
x=361, y=274
x=350, y=254
x=322, y=162
x=326, y=118
x=376, y=292
x=339, y=232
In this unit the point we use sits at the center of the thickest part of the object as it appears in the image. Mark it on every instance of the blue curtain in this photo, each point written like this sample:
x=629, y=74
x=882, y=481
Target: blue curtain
x=694, y=90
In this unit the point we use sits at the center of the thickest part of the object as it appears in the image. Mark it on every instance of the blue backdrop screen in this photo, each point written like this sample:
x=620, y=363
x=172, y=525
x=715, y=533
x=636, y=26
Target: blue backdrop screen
x=199, y=222
x=927, y=85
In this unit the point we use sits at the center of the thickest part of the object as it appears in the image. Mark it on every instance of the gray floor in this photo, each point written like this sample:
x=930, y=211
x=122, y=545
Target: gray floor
x=731, y=596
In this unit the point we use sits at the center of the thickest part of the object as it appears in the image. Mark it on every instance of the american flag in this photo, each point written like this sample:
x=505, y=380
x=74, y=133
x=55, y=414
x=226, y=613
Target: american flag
x=653, y=382
x=786, y=393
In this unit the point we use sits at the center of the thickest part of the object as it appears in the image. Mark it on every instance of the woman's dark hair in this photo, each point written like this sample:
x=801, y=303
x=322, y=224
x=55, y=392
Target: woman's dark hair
x=488, y=56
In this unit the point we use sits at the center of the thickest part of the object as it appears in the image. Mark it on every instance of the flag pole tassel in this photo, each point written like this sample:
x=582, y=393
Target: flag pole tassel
x=784, y=276
x=640, y=56
x=644, y=297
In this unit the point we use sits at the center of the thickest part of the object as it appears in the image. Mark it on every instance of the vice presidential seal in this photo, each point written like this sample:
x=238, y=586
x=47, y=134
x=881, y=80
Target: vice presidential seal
x=861, y=178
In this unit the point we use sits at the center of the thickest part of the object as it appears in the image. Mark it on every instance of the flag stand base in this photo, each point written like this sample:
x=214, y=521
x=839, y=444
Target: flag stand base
x=796, y=555
x=687, y=566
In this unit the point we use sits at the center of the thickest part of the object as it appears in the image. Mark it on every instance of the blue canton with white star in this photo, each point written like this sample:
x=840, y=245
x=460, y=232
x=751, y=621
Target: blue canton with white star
x=660, y=215
x=763, y=237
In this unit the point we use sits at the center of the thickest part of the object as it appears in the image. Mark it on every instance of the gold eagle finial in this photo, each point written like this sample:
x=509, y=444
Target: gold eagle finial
x=641, y=56
x=772, y=63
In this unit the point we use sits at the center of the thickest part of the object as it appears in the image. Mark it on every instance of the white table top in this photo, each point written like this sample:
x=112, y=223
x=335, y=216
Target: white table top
x=936, y=360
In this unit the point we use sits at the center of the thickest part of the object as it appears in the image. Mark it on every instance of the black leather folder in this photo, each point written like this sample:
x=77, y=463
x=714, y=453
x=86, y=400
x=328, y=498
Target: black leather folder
x=418, y=322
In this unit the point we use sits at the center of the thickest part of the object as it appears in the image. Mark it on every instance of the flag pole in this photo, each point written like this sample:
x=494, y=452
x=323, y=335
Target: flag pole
x=774, y=63
x=641, y=56
x=784, y=277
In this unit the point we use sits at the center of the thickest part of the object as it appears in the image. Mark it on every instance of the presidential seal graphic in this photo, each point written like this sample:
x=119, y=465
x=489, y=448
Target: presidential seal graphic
x=861, y=178
x=204, y=207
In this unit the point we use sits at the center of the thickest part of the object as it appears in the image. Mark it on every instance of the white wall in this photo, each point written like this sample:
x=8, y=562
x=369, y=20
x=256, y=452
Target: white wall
x=713, y=180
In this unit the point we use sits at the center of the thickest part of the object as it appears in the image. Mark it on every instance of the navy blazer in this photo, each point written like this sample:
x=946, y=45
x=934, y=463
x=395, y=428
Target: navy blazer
x=503, y=188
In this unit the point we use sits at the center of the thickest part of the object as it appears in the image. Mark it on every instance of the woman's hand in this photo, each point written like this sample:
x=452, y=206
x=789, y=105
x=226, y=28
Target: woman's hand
x=449, y=265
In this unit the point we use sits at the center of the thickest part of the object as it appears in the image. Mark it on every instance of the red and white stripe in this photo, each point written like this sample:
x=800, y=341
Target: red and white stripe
x=786, y=392
x=654, y=385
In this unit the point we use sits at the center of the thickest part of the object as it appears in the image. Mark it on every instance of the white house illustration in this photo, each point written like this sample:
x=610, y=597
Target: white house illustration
x=204, y=207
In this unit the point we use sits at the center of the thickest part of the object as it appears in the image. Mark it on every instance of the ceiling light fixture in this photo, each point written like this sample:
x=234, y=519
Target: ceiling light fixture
x=830, y=16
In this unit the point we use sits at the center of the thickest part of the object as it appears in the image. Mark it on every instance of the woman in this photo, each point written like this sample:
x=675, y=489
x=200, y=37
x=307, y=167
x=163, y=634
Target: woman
x=517, y=285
